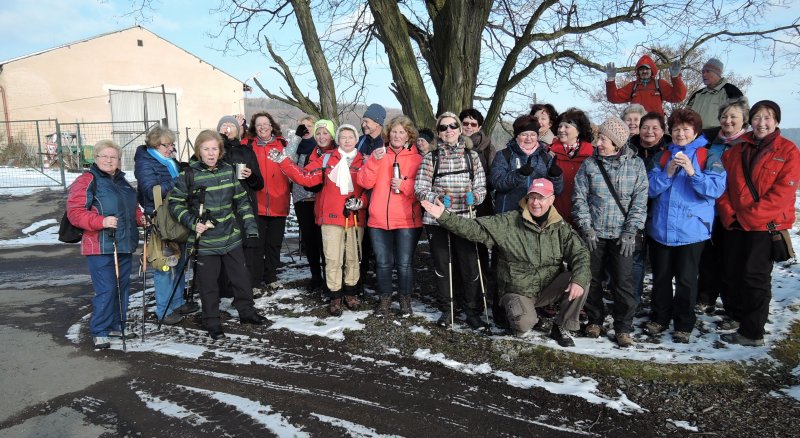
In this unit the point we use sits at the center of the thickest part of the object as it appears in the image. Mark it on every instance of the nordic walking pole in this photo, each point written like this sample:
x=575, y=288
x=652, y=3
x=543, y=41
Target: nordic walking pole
x=470, y=203
x=447, y=204
x=144, y=276
x=122, y=318
x=344, y=244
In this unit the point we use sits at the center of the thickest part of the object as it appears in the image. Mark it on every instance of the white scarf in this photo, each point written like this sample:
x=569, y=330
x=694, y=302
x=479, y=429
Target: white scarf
x=340, y=174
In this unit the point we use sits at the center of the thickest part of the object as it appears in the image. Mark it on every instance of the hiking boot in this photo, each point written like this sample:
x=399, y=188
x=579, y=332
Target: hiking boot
x=624, y=339
x=254, y=319
x=592, y=331
x=444, y=320
x=736, y=338
x=187, y=308
x=172, y=319
x=382, y=310
x=653, y=328
x=728, y=324
x=701, y=308
x=562, y=336
x=405, y=305
x=474, y=322
x=681, y=337
x=352, y=302
x=101, y=342
x=216, y=333
x=118, y=334
x=335, y=308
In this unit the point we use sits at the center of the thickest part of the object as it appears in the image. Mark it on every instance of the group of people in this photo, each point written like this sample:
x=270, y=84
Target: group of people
x=566, y=211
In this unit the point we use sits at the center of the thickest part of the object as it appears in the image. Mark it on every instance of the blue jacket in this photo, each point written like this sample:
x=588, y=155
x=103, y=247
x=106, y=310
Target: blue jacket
x=510, y=185
x=683, y=207
x=149, y=172
x=367, y=144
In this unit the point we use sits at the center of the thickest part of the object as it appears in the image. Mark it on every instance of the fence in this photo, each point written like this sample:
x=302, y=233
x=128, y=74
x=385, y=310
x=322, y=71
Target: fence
x=46, y=153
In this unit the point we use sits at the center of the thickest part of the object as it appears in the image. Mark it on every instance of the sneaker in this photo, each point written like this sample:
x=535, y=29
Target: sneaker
x=728, y=324
x=444, y=320
x=562, y=336
x=681, y=337
x=187, y=308
x=352, y=302
x=736, y=338
x=118, y=334
x=653, y=328
x=382, y=310
x=335, y=308
x=405, y=305
x=172, y=319
x=624, y=339
x=101, y=342
x=593, y=331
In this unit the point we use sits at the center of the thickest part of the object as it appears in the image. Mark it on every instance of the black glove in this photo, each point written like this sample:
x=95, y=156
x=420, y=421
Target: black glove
x=554, y=171
x=183, y=165
x=251, y=241
x=527, y=169
x=301, y=130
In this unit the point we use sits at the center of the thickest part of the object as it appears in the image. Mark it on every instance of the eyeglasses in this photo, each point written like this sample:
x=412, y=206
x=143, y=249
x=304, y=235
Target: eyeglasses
x=527, y=135
x=107, y=157
x=473, y=124
x=167, y=145
x=443, y=128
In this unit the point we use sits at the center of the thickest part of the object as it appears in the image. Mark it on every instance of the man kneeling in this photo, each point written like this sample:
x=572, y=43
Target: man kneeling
x=533, y=244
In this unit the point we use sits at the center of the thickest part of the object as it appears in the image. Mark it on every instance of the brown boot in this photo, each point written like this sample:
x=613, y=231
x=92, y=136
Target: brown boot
x=335, y=308
x=352, y=302
x=405, y=305
x=382, y=310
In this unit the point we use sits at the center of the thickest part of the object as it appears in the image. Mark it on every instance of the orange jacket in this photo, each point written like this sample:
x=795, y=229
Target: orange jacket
x=273, y=199
x=650, y=96
x=389, y=210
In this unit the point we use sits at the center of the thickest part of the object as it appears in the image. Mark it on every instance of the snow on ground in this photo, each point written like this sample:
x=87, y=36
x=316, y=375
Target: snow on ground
x=353, y=429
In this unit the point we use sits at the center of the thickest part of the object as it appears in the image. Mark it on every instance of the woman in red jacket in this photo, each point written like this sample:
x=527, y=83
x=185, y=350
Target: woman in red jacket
x=773, y=163
x=264, y=136
x=573, y=143
x=339, y=211
x=395, y=216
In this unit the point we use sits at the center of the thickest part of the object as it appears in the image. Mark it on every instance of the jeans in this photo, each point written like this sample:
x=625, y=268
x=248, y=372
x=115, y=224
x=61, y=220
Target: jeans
x=164, y=283
x=105, y=304
x=395, y=248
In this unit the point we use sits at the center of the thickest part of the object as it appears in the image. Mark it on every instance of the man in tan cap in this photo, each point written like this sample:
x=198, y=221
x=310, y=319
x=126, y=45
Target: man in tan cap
x=706, y=101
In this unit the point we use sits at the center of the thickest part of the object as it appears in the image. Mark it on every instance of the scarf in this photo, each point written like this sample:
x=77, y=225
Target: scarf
x=727, y=140
x=340, y=174
x=170, y=163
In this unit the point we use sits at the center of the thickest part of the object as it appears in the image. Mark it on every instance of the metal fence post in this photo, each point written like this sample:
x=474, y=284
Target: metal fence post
x=39, y=160
x=61, y=155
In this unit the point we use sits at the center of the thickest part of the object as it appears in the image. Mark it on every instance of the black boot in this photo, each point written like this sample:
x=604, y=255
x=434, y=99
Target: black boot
x=382, y=309
x=215, y=332
x=405, y=305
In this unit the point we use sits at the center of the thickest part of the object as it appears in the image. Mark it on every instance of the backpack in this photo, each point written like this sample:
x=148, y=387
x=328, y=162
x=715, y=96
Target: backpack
x=469, y=168
x=636, y=85
x=162, y=254
x=165, y=224
x=702, y=157
x=325, y=157
x=69, y=233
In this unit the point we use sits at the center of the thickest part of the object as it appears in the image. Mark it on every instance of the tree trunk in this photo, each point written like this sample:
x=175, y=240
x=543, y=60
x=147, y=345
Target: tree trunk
x=319, y=64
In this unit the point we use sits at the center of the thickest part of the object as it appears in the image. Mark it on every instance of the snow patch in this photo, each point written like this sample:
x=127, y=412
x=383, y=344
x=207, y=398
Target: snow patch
x=170, y=409
x=683, y=425
x=352, y=429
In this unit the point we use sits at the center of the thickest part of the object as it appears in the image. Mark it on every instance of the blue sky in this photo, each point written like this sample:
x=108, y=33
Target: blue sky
x=30, y=26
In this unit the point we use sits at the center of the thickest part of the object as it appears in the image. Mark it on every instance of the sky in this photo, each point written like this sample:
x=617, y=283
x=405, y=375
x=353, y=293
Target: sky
x=27, y=27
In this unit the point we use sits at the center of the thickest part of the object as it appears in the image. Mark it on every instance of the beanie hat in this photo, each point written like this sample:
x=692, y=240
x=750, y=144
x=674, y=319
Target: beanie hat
x=426, y=134
x=228, y=119
x=768, y=104
x=542, y=186
x=376, y=113
x=714, y=65
x=346, y=127
x=616, y=130
x=324, y=123
x=528, y=124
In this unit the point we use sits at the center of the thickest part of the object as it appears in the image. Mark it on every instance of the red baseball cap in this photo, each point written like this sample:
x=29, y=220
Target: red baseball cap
x=542, y=186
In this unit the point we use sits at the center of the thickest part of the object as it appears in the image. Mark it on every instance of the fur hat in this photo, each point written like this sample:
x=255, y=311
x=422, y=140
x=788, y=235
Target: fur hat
x=769, y=104
x=525, y=123
x=376, y=113
x=616, y=130
x=324, y=123
x=229, y=119
x=714, y=65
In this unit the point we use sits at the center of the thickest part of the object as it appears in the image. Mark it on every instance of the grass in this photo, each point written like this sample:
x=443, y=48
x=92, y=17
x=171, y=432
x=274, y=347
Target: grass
x=787, y=350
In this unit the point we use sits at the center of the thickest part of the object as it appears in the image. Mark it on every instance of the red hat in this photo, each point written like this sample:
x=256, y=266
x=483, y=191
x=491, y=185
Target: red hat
x=542, y=186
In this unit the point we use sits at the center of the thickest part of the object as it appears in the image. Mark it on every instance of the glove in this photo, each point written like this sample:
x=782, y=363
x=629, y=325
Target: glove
x=611, y=72
x=554, y=171
x=470, y=198
x=353, y=204
x=301, y=130
x=675, y=69
x=251, y=241
x=590, y=238
x=276, y=155
x=527, y=169
x=447, y=202
x=627, y=244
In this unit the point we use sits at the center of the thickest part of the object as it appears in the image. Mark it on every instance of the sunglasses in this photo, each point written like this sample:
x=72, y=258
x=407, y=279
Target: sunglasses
x=473, y=124
x=443, y=128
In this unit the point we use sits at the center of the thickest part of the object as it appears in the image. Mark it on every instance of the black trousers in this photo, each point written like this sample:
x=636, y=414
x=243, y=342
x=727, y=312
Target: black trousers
x=310, y=236
x=607, y=258
x=208, y=271
x=709, y=288
x=681, y=263
x=270, y=239
x=463, y=258
x=747, y=267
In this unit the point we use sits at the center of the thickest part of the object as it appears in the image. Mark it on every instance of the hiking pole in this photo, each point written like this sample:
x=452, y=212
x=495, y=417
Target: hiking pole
x=144, y=276
x=122, y=318
x=470, y=203
x=358, y=245
x=344, y=244
x=447, y=204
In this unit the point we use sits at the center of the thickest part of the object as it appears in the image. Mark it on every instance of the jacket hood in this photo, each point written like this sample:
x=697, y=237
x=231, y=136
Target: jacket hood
x=648, y=61
x=480, y=141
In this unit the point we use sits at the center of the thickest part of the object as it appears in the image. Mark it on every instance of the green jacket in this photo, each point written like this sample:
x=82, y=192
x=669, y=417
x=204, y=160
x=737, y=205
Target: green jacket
x=530, y=257
x=224, y=195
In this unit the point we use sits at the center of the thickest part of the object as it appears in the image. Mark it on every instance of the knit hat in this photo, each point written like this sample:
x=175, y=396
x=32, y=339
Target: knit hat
x=714, y=65
x=324, y=123
x=768, y=104
x=345, y=127
x=426, y=134
x=228, y=119
x=616, y=130
x=376, y=113
x=542, y=186
x=525, y=123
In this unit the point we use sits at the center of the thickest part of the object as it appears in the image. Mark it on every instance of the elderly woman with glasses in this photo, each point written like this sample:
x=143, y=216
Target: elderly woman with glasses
x=155, y=165
x=453, y=173
x=103, y=204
